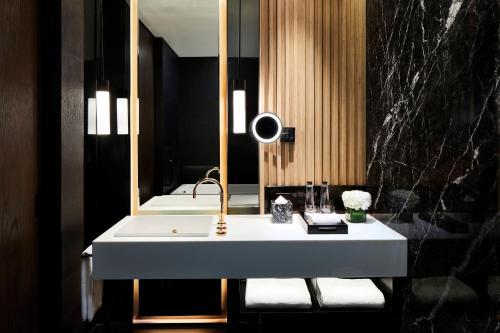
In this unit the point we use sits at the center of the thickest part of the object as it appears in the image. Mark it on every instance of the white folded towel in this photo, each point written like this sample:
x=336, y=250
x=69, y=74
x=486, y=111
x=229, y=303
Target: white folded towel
x=317, y=218
x=277, y=294
x=91, y=291
x=348, y=293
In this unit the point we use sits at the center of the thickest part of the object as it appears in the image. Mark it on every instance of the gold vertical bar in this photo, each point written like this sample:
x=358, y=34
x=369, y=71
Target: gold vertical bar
x=134, y=45
x=223, y=97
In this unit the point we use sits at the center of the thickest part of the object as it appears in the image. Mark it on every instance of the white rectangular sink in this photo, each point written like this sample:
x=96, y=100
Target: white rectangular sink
x=168, y=226
x=181, y=205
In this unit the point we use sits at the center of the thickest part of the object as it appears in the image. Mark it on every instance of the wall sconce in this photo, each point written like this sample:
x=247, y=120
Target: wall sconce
x=122, y=116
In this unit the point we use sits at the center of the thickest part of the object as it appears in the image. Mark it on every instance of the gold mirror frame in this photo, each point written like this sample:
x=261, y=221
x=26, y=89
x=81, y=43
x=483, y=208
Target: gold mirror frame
x=134, y=162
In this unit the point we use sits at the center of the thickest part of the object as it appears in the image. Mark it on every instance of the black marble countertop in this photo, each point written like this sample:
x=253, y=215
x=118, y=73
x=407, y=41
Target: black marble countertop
x=451, y=243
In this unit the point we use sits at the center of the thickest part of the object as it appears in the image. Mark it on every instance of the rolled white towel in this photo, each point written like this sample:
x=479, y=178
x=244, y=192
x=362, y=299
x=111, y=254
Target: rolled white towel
x=91, y=291
x=317, y=218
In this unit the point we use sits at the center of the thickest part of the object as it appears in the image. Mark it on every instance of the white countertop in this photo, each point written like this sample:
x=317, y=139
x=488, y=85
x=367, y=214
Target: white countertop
x=253, y=247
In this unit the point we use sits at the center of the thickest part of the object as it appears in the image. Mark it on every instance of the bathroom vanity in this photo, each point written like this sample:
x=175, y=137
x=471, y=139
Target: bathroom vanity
x=253, y=248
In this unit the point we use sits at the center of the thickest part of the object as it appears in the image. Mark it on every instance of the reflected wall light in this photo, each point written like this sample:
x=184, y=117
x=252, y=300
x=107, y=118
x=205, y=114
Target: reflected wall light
x=91, y=116
x=239, y=107
x=122, y=116
x=103, y=112
x=102, y=85
x=239, y=93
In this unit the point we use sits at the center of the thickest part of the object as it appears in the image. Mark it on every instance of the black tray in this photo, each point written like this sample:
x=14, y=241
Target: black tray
x=318, y=229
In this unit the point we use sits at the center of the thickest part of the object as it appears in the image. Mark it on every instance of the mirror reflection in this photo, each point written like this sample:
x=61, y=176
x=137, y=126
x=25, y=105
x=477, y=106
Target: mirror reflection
x=179, y=106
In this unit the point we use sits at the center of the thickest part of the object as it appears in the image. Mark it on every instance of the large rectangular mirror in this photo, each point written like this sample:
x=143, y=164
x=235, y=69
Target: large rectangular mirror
x=180, y=106
x=178, y=90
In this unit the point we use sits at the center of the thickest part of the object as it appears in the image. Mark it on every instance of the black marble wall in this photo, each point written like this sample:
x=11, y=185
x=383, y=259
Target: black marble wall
x=432, y=104
x=431, y=112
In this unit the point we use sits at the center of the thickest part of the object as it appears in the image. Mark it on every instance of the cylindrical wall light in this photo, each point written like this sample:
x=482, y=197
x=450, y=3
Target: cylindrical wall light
x=102, y=107
x=122, y=116
x=239, y=107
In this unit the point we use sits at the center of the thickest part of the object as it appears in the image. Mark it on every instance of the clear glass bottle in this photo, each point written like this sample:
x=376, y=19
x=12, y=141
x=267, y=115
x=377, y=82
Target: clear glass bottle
x=309, y=204
x=324, y=203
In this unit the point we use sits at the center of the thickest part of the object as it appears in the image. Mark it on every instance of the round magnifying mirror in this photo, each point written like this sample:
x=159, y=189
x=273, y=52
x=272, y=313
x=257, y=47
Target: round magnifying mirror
x=266, y=127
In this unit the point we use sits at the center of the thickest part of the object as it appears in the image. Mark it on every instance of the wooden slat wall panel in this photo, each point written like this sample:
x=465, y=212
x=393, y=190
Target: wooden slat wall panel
x=312, y=75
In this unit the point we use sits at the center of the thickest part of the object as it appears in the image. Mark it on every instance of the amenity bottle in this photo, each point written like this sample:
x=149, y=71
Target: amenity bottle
x=309, y=204
x=324, y=204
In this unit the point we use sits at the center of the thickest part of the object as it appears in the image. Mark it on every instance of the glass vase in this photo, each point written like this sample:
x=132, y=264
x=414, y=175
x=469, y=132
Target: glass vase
x=356, y=215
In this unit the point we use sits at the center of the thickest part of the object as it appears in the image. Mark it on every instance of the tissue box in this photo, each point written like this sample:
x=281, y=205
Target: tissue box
x=282, y=213
x=335, y=228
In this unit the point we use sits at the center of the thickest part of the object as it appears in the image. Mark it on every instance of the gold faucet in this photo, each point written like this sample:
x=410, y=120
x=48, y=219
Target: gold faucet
x=221, y=226
x=207, y=174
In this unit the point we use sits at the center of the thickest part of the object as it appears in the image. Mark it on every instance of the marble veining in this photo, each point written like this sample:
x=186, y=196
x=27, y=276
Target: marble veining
x=432, y=106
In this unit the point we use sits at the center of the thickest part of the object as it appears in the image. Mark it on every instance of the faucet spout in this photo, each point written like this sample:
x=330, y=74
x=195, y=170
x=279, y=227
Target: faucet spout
x=207, y=174
x=221, y=226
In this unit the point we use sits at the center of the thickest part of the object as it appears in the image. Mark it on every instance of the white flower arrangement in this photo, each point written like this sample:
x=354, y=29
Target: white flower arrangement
x=358, y=200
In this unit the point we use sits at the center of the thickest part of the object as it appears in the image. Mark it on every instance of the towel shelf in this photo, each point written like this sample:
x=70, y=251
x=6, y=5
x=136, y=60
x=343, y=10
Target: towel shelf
x=316, y=309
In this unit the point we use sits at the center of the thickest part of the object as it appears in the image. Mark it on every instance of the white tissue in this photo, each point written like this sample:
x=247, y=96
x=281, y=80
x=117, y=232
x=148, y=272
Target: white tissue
x=281, y=201
x=324, y=218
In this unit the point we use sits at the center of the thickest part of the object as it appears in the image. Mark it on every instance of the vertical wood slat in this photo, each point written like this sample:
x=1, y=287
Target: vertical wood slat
x=288, y=119
x=309, y=89
x=318, y=92
x=271, y=99
x=326, y=88
x=362, y=93
x=263, y=55
x=334, y=125
x=342, y=70
x=280, y=83
x=312, y=74
x=351, y=89
x=293, y=83
x=301, y=48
